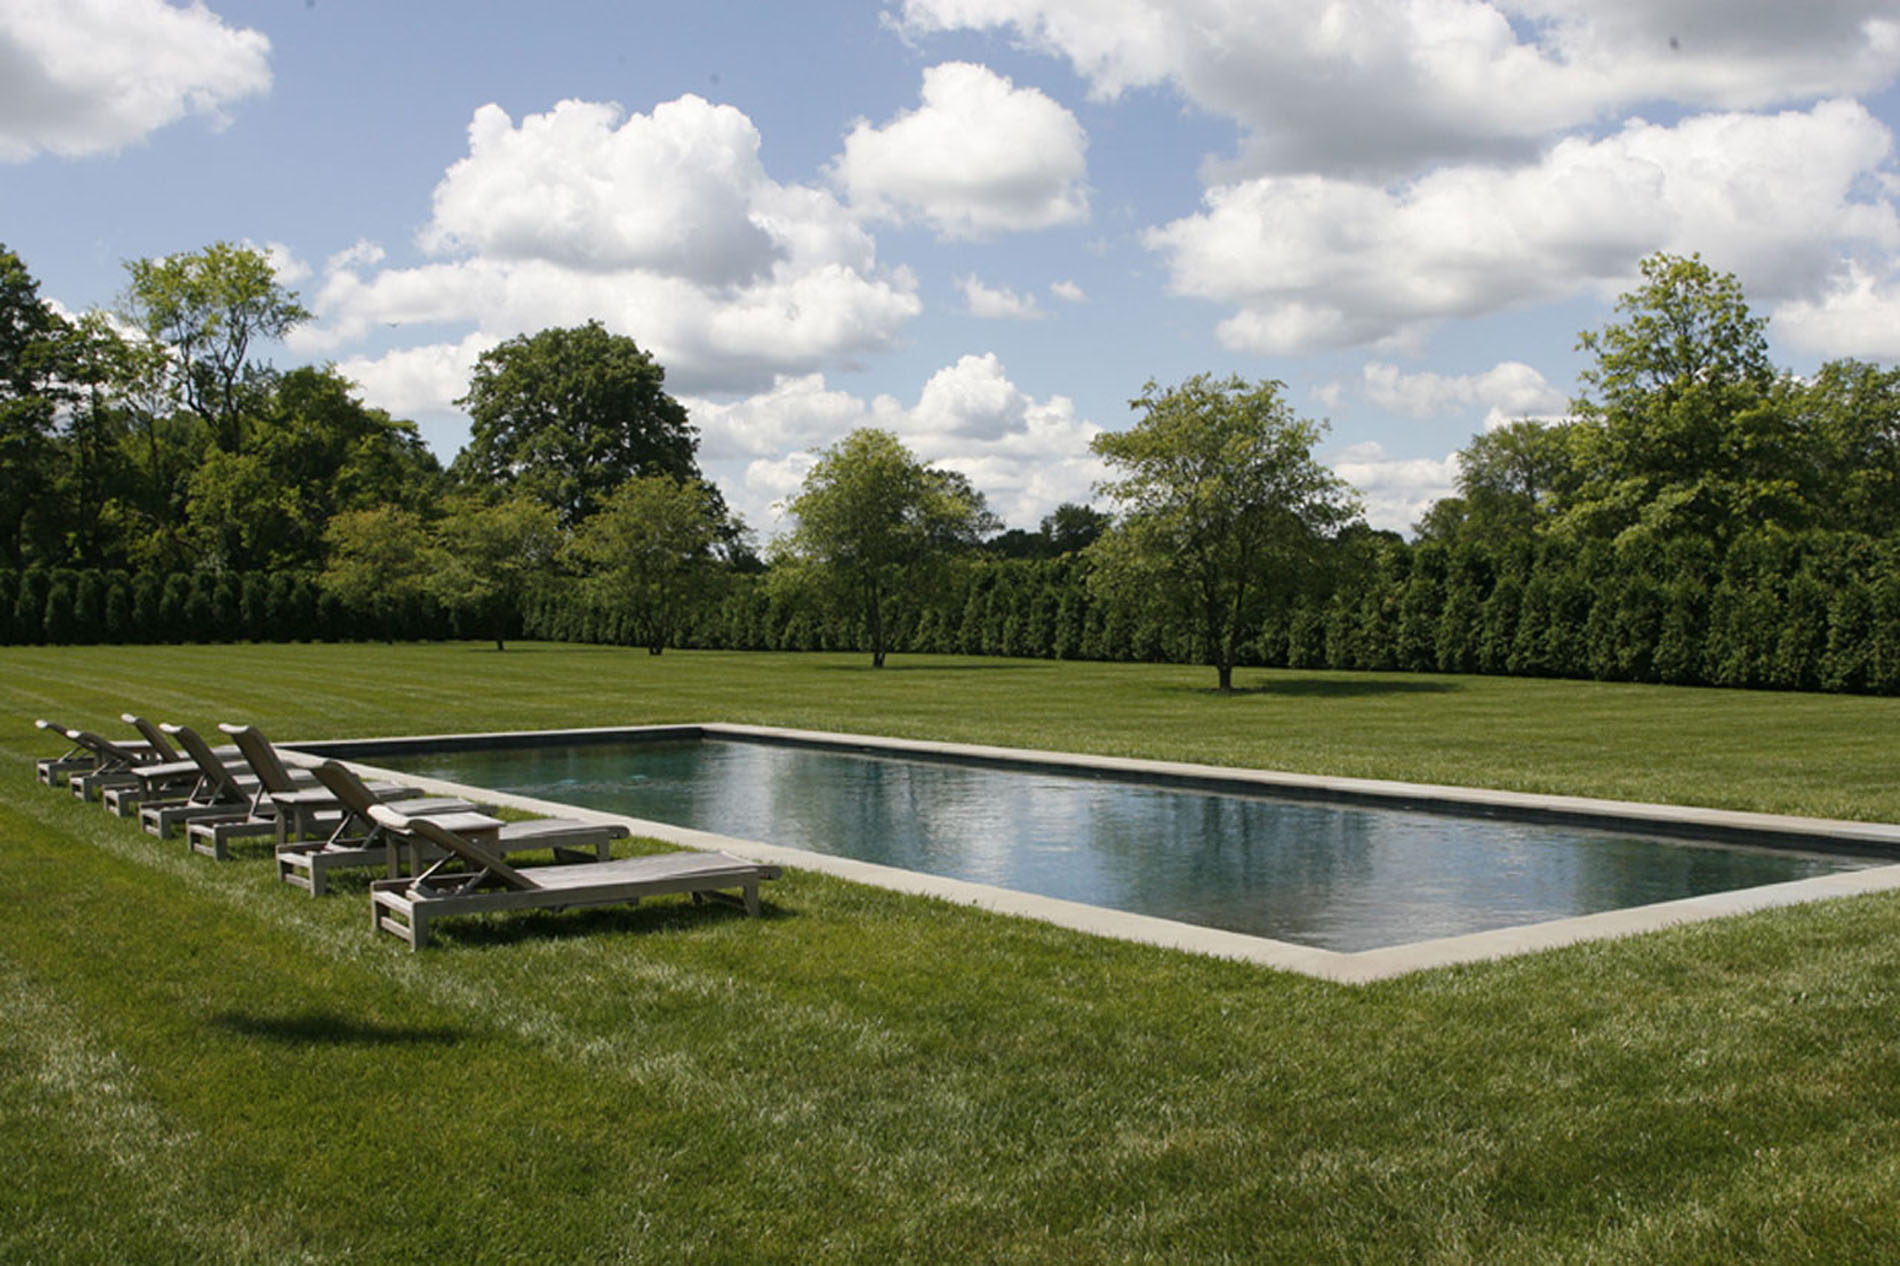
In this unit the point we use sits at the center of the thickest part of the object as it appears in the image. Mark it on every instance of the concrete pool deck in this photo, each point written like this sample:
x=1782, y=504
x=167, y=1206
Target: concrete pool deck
x=1772, y=831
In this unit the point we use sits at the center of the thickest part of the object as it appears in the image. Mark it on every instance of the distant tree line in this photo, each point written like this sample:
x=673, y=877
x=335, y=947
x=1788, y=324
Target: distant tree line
x=1700, y=517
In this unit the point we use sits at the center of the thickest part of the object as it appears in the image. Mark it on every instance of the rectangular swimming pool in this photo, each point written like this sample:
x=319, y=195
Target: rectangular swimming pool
x=1318, y=868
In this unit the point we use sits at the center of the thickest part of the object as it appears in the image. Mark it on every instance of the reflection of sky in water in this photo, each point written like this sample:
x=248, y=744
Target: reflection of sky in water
x=1340, y=877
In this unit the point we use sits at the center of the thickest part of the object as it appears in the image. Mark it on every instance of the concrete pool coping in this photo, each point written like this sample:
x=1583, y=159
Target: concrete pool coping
x=1773, y=831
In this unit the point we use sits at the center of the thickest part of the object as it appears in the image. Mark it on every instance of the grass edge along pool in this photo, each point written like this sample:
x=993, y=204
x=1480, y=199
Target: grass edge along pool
x=1809, y=835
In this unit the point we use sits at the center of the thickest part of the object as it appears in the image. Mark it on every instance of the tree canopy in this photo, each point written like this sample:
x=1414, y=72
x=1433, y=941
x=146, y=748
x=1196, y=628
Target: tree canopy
x=870, y=518
x=1221, y=500
x=649, y=553
x=567, y=415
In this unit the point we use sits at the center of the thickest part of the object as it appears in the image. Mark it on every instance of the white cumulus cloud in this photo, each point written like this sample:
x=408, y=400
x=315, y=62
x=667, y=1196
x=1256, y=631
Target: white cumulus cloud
x=1508, y=391
x=1027, y=456
x=80, y=77
x=1395, y=490
x=663, y=226
x=979, y=157
x=998, y=302
x=1387, y=87
x=1313, y=261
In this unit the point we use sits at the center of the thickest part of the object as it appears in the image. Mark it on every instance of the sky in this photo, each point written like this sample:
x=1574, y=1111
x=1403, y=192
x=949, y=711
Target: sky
x=984, y=225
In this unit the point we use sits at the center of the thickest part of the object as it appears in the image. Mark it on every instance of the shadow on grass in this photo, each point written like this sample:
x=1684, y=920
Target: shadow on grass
x=1332, y=688
x=675, y=915
x=923, y=668
x=314, y=1028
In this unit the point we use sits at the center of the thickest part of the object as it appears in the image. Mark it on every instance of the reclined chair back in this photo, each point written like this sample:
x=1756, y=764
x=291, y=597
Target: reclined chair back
x=260, y=756
x=161, y=746
x=343, y=783
x=111, y=755
x=215, y=784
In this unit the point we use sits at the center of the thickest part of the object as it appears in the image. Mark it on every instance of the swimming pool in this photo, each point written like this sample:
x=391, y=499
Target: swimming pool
x=1337, y=866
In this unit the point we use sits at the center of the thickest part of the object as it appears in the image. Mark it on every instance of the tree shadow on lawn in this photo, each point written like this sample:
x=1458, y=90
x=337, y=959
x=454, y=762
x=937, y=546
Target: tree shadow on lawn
x=1331, y=688
x=313, y=1028
x=926, y=668
x=674, y=914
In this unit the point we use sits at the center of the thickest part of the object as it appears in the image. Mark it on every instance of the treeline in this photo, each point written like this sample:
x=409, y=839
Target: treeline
x=68, y=607
x=1776, y=610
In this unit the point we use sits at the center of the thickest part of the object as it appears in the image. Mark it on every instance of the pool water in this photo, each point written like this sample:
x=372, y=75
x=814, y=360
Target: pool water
x=1339, y=877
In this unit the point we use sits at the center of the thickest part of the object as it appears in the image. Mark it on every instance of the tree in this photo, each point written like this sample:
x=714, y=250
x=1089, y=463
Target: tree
x=379, y=563
x=650, y=553
x=488, y=558
x=208, y=308
x=1687, y=425
x=568, y=415
x=1852, y=411
x=1513, y=479
x=317, y=450
x=872, y=520
x=1221, y=504
x=30, y=333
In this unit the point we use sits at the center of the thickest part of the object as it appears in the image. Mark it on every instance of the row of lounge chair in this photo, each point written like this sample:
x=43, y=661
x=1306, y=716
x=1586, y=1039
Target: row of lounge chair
x=443, y=856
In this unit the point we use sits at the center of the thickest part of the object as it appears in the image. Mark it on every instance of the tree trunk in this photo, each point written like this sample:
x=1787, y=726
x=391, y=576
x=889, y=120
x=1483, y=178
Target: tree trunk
x=655, y=648
x=1226, y=672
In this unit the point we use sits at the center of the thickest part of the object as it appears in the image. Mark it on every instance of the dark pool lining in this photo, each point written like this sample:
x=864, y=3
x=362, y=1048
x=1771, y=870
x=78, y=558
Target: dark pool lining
x=1754, y=838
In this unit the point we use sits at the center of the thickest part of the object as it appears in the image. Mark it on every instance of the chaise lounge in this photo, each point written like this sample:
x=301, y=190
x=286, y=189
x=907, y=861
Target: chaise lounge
x=406, y=907
x=358, y=841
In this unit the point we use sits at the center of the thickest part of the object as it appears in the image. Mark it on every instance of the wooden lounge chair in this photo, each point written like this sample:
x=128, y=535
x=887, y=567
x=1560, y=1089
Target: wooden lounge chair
x=406, y=907
x=111, y=761
x=217, y=791
x=295, y=801
x=357, y=840
x=77, y=759
x=172, y=774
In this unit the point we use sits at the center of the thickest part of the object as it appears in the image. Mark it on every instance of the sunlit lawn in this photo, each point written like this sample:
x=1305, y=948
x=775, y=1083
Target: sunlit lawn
x=198, y=1063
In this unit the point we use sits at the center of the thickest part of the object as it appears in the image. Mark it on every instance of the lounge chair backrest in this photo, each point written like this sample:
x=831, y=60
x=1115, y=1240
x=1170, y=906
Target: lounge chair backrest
x=161, y=746
x=212, y=770
x=345, y=786
x=448, y=841
x=105, y=749
x=261, y=756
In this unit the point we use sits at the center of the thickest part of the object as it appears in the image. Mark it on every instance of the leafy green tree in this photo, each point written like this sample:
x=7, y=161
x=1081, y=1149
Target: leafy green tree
x=1222, y=505
x=487, y=559
x=873, y=521
x=208, y=309
x=1852, y=411
x=649, y=554
x=317, y=450
x=379, y=563
x=567, y=415
x=1513, y=479
x=30, y=335
x=1688, y=427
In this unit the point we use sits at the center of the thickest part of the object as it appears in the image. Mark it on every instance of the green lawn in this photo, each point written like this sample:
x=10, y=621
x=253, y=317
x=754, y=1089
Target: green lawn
x=198, y=1063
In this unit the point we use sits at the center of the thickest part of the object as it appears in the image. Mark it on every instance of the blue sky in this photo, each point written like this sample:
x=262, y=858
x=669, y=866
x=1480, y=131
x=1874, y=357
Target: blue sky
x=983, y=224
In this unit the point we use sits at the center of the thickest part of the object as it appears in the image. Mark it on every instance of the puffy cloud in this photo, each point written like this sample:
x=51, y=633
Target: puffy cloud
x=585, y=187
x=284, y=263
x=413, y=380
x=999, y=302
x=1313, y=261
x=665, y=227
x=1395, y=490
x=979, y=157
x=82, y=77
x=1507, y=391
x=1068, y=291
x=1858, y=316
x=1390, y=86
x=1027, y=456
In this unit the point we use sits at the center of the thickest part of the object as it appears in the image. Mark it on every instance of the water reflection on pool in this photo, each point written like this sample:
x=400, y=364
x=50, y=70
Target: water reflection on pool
x=1338, y=877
